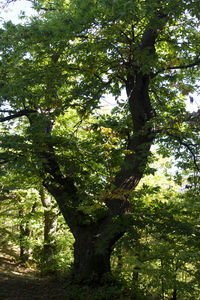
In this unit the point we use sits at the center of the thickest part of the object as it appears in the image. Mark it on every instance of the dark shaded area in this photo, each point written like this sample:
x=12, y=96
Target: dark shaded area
x=25, y=288
x=18, y=282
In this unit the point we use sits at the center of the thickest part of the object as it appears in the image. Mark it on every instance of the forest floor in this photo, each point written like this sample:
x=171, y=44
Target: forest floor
x=21, y=282
x=18, y=282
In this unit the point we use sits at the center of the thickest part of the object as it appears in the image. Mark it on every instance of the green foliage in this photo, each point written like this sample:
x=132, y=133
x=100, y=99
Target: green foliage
x=20, y=208
x=115, y=288
x=55, y=69
x=160, y=253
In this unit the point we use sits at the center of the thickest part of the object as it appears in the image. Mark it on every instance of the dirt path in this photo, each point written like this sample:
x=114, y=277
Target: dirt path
x=20, y=283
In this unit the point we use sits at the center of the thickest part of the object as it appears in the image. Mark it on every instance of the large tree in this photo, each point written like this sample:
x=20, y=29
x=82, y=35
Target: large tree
x=55, y=69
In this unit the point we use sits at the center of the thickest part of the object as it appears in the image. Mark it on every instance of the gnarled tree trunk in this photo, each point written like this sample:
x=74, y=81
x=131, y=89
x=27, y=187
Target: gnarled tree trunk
x=91, y=258
x=95, y=239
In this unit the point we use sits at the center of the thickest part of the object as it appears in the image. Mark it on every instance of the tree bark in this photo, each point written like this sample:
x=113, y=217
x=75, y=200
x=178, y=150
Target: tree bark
x=90, y=259
x=50, y=228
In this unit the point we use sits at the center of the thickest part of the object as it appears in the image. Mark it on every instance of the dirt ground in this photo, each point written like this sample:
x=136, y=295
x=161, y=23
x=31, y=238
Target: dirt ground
x=22, y=283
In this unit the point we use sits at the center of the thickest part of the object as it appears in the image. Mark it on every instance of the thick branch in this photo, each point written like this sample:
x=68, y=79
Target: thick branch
x=180, y=67
x=14, y=115
x=151, y=32
x=61, y=187
x=137, y=87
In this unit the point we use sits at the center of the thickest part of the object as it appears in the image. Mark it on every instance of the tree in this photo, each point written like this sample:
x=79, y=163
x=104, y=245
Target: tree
x=31, y=223
x=50, y=228
x=56, y=68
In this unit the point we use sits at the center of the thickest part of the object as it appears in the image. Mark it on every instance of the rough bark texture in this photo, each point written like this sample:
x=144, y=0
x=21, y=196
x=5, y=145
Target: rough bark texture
x=90, y=259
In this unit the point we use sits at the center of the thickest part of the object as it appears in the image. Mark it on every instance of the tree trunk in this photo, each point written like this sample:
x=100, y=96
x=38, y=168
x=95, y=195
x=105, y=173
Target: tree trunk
x=88, y=263
x=50, y=229
x=91, y=256
x=24, y=236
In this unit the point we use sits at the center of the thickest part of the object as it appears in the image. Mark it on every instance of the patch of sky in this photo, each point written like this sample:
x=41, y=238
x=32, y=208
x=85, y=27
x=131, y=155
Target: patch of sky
x=15, y=10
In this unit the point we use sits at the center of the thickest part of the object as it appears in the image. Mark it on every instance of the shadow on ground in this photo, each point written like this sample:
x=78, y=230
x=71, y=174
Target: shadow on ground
x=20, y=283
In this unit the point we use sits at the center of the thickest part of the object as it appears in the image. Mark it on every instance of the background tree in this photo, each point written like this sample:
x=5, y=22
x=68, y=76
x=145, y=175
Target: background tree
x=50, y=229
x=27, y=232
